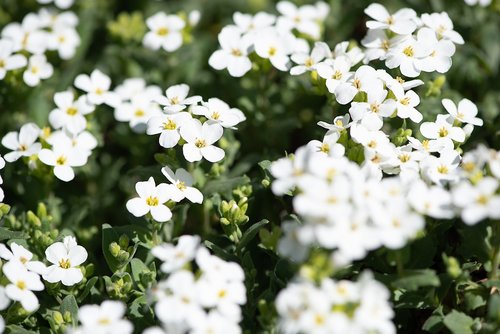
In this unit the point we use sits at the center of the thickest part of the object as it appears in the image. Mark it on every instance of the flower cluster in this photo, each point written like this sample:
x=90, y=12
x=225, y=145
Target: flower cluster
x=335, y=307
x=167, y=31
x=36, y=35
x=408, y=42
x=347, y=203
x=71, y=144
x=140, y=106
x=105, y=318
x=482, y=3
x=268, y=36
x=205, y=300
x=152, y=198
x=23, y=273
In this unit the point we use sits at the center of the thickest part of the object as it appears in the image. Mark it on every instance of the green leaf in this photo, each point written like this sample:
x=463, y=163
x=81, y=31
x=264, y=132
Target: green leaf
x=6, y=234
x=14, y=329
x=112, y=234
x=224, y=187
x=90, y=284
x=414, y=279
x=458, y=322
x=250, y=233
x=434, y=324
x=70, y=305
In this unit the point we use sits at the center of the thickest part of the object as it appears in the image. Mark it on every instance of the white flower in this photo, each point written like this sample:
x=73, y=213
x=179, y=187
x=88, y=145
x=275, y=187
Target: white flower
x=200, y=139
x=165, y=32
x=408, y=55
x=137, y=112
x=22, y=144
x=176, y=98
x=38, y=69
x=248, y=23
x=24, y=256
x=234, y=53
x=175, y=257
x=353, y=54
x=9, y=61
x=181, y=186
x=65, y=257
x=370, y=113
x=70, y=113
x=272, y=46
x=105, y=318
x=482, y=3
x=22, y=284
x=97, y=86
x=215, y=322
x=83, y=142
x=465, y=113
x=27, y=35
x=65, y=40
x=335, y=71
x=431, y=201
x=168, y=127
x=306, y=62
x=63, y=4
x=378, y=44
x=63, y=156
x=301, y=18
x=440, y=55
x=405, y=102
x=136, y=86
x=151, y=199
x=178, y=299
x=477, y=202
x=365, y=79
x=219, y=111
x=442, y=169
x=442, y=130
x=443, y=26
x=403, y=22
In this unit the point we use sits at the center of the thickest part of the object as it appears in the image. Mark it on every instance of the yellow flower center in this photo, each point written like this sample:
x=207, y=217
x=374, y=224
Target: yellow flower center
x=357, y=84
x=309, y=62
x=64, y=263
x=23, y=147
x=23, y=259
x=325, y=148
x=222, y=293
x=404, y=157
x=71, y=111
x=337, y=75
x=319, y=319
x=443, y=132
x=272, y=51
x=442, y=169
x=21, y=285
x=61, y=160
x=174, y=100
x=408, y=51
x=139, y=113
x=236, y=52
x=152, y=201
x=372, y=144
x=2, y=63
x=385, y=45
x=400, y=80
x=215, y=115
x=169, y=125
x=390, y=20
x=405, y=101
x=104, y=321
x=181, y=185
x=61, y=39
x=200, y=143
x=34, y=69
x=375, y=107
x=482, y=199
x=99, y=91
x=468, y=166
x=162, y=31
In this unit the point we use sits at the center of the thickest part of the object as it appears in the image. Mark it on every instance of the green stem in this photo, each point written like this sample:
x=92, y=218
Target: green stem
x=495, y=261
x=399, y=263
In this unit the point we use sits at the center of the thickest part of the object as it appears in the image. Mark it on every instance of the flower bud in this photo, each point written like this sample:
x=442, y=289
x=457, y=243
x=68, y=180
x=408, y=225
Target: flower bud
x=114, y=249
